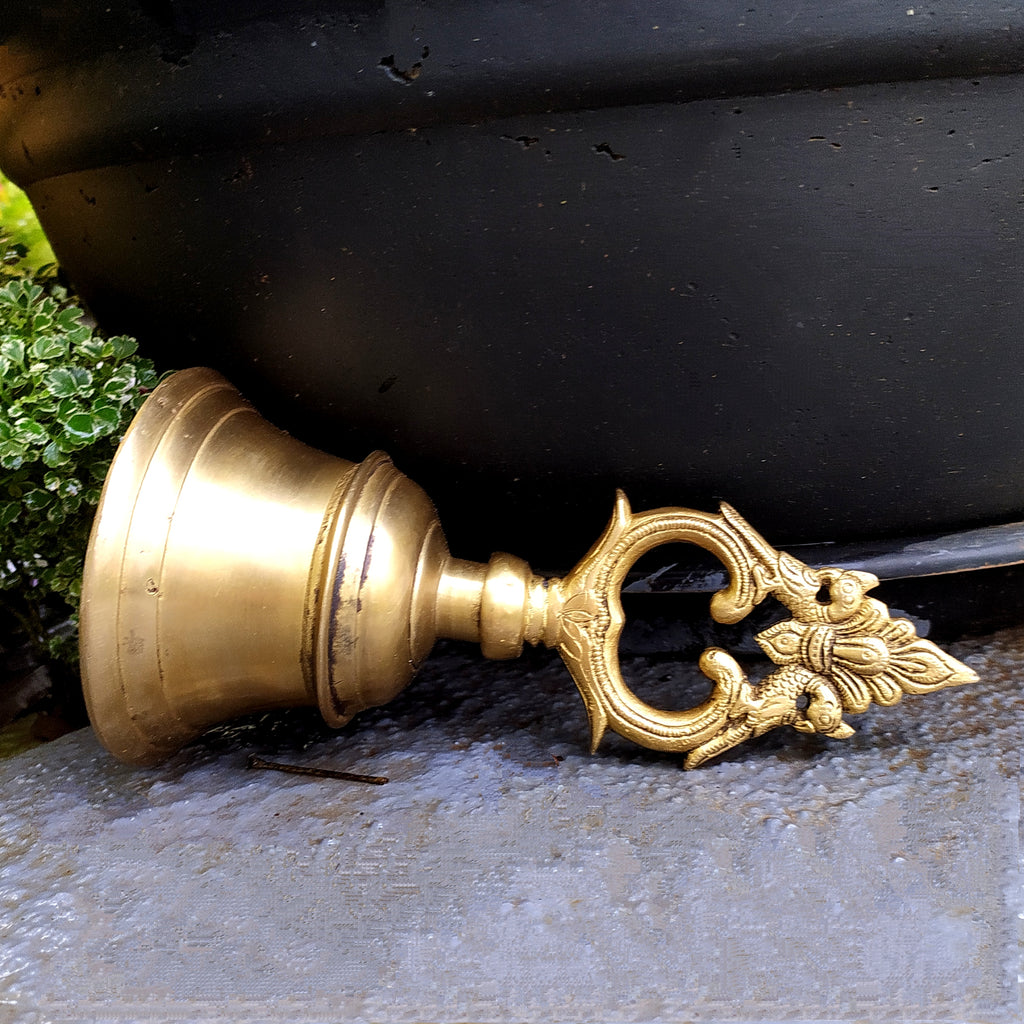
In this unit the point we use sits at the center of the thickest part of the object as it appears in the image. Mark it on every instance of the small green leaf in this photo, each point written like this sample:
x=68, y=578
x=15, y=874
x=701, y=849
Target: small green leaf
x=66, y=443
x=37, y=499
x=30, y=431
x=54, y=456
x=41, y=404
x=81, y=426
x=69, y=487
x=122, y=347
x=68, y=319
x=9, y=512
x=60, y=382
x=67, y=408
x=83, y=379
x=26, y=293
x=107, y=418
x=42, y=322
x=70, y=566
x=50, y=347
x=86, y=345
x=146, y=380
x=12, y=454
x=13, y=349
x=120, y=382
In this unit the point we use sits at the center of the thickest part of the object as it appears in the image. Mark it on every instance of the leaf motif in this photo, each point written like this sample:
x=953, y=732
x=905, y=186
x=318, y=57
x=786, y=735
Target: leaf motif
x=921, y=667
x=781, y=642
x=897, y=632
x=885, y=689
x=570, y=643
x=579, y=616
x=865, y=655
x=579, y=608
x=854, y=690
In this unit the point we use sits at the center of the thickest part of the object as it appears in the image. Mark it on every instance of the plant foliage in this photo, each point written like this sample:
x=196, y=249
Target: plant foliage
x=22, y=228
x=67, y=393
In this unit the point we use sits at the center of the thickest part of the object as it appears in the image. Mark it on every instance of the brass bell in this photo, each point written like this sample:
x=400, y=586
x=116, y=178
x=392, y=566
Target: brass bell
x=233, y=569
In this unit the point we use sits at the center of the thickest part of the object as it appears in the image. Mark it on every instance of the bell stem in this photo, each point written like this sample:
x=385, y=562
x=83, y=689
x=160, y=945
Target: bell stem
x=501, y=605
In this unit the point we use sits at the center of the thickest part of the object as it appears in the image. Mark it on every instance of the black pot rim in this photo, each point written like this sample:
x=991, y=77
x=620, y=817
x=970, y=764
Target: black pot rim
x=195, y=68
x=941, y=554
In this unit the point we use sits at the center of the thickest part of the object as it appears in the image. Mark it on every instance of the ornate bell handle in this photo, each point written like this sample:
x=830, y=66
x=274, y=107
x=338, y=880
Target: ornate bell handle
x=838, y=652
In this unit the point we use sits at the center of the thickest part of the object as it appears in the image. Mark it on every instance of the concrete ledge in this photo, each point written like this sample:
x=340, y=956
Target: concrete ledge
x=504, y=875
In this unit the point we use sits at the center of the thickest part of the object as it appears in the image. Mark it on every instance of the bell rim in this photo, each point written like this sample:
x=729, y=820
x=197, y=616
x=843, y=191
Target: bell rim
x=114, y=698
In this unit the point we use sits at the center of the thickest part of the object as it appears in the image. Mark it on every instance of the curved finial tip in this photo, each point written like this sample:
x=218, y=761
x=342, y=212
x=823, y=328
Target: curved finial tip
x=598, y=725
x=623, y=511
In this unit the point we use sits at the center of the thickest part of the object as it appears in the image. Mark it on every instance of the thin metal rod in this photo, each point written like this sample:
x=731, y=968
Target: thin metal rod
x=318, y=773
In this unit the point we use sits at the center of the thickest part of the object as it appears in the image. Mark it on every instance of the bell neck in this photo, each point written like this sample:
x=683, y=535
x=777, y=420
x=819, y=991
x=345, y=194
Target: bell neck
x=499, y=604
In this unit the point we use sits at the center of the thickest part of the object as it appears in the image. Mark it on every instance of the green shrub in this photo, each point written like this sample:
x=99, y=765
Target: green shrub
x=67, y=394
x=21, y=227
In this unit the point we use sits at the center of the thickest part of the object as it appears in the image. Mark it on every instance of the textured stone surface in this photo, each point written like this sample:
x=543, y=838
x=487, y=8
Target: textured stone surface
x=506, y=875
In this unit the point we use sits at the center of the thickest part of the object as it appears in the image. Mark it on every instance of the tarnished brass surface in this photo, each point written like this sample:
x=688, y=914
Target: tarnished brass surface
x=232, y=569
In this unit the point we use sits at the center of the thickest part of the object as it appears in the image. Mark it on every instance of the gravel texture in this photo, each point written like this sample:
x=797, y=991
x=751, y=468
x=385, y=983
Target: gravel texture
x=506, y=875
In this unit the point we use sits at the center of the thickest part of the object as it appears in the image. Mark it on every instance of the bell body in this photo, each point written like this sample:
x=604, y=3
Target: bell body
x=233, y=569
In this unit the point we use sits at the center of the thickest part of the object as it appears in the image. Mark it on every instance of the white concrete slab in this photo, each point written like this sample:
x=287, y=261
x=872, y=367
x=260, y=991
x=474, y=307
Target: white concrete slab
x=876, y=879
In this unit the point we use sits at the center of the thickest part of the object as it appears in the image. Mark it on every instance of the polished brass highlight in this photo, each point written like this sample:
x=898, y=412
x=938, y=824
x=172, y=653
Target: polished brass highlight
x=233, y=569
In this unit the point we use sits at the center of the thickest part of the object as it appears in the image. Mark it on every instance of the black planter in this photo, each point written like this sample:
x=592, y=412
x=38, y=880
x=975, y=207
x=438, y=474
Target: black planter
x=537, y=251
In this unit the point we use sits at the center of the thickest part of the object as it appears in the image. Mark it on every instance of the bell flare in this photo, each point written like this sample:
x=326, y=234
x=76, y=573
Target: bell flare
x=233, y=569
